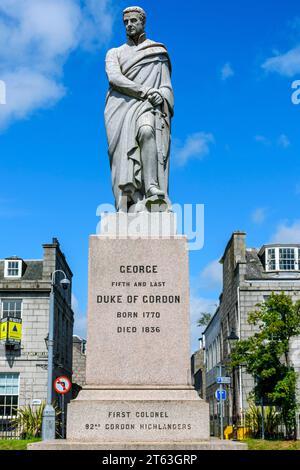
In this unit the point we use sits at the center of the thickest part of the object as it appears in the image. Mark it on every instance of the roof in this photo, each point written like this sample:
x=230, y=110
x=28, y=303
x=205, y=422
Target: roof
x=33, y=270
x=78, y=339
x=278, y=245
x=256, y=271
x=254, y=266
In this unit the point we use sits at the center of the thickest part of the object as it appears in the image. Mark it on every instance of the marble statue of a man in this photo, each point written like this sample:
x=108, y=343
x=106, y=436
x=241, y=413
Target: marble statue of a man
x=138, y=112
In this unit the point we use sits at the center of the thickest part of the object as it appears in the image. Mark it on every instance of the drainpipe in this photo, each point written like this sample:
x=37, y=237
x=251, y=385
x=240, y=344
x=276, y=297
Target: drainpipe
x=240, y=369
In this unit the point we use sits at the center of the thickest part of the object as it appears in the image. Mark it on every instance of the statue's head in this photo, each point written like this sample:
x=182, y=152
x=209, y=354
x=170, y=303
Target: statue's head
x=134, y=20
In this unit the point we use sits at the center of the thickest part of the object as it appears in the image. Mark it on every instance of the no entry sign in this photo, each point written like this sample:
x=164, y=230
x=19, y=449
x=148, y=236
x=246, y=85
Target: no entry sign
x=62, y=385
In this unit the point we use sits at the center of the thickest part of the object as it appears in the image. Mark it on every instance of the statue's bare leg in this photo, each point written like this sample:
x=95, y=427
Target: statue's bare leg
x=147, y=143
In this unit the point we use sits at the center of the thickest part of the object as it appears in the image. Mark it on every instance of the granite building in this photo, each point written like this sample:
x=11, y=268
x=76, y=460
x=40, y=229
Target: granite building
x=79, y=364
x=250, y=276
x=25, y=286
x=198, y=371
x=211, y=345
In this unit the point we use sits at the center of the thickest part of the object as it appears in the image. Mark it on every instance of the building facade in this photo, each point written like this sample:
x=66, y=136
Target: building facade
x=212, y=357
x=198, y=371
x=79, y=364
x=25, y=287
x=250, y=276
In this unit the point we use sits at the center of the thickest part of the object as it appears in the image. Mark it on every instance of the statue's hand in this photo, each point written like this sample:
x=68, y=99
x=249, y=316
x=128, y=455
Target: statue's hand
x=154, y=97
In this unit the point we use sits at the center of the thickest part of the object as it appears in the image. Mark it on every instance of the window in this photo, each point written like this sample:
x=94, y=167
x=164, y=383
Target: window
x=12, y=308
x=271, y=259
x=283, y=259
x=218, y=350
x=287, y=259
x=13, y=268
x=214, y=353
x=83, y=346
x=210, y=358
x=9, y=394
x=228, y=333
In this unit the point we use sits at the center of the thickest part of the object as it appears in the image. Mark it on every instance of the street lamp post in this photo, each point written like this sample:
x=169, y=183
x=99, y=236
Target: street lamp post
x=233, y=338
x=48, y=424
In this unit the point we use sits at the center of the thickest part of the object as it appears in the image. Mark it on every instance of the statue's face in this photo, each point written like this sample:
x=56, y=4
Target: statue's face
x=133, y=24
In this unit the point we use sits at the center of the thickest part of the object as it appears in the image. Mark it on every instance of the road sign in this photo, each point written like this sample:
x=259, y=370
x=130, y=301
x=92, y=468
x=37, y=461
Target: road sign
x=11, y=330
x=223, y=380
x=62, y=385
x=3, y=330
x=15, y=330
x=221, y=395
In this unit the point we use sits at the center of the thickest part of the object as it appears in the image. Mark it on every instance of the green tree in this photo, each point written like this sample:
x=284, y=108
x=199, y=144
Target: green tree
x=204, y=319
x=265, y=355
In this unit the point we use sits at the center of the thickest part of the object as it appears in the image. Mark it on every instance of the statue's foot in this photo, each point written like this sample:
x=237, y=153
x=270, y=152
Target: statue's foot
x=155, y=191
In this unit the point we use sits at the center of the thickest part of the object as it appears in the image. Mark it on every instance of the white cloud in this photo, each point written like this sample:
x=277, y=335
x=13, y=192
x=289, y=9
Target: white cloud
x=80, y=319
x=28, y=90
x=196, y=146
x=197, y=306
x=287, y=233
x=227, y=71
x=287, y=64
x=259, y=215
x=283, y=141
x=36, y=39
x=2, y=92
x=262, y=140
x=97, y=23
x=212, y=276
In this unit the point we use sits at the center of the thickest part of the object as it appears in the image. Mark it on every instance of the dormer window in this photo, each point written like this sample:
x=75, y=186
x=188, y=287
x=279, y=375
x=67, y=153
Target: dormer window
x=287, y=259
x=283, y=259
x=13, y=268
x=271, y=259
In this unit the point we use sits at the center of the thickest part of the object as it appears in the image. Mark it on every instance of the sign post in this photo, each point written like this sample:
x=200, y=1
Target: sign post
x=224, y=380
x=221, y=406
x=62, y=385
x=221, y=395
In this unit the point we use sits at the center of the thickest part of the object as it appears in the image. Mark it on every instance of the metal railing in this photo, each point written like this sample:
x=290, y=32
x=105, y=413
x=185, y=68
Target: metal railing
x=251, y=424
x=266, y=423
x=9, y=430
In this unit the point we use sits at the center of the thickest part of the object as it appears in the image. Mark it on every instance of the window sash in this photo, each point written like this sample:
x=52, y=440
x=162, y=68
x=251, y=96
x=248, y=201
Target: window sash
x=287, y=260
x=9, y=383
x=13, y=268
x=8, y=405
x=271, y=259
x=12, y=308
x=282, y=259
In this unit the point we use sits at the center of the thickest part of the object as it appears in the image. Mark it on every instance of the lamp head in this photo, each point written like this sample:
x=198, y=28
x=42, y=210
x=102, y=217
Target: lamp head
x=65, y=283
x=233, y=336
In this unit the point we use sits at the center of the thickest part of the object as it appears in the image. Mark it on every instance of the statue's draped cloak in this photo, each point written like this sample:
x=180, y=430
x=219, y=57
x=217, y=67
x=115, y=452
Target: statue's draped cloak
x=132, y=71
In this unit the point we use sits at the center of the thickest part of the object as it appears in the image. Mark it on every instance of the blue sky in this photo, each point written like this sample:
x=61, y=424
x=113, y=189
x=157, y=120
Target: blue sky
x=236, y=139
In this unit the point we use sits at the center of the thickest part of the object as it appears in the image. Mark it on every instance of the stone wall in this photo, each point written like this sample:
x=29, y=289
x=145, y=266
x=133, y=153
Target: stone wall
x=245, y=284
x=79, y=361
x=30, y=362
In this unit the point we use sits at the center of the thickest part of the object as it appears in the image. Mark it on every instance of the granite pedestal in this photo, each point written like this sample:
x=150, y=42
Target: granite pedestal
x=138, y=392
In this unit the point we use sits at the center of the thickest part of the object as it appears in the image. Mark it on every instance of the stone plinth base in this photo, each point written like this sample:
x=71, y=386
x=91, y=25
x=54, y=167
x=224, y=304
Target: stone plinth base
x=138, y=394
x=212, y=444
x=152, y=415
